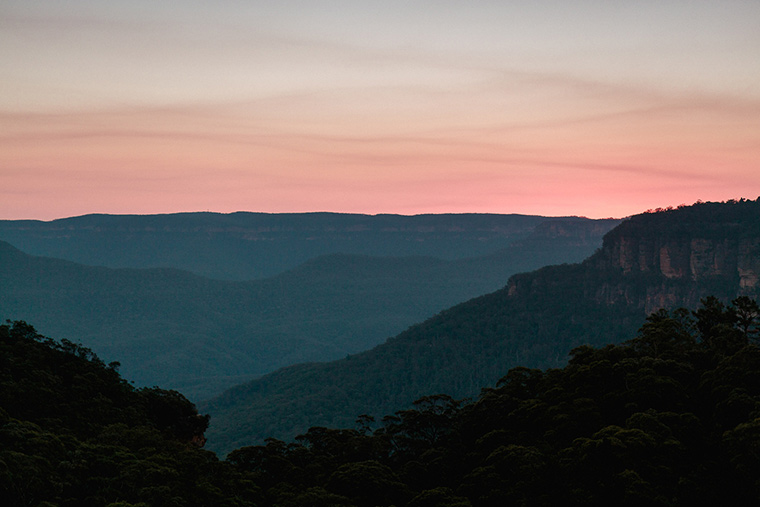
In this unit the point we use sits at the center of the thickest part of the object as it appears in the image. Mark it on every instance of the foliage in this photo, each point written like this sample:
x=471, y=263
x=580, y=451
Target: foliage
x=669, y=418
x=74, y=433
x=667, y=259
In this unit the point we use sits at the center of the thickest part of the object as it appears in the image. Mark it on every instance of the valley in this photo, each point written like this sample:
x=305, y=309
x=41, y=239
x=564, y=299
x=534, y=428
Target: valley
x=199, y=335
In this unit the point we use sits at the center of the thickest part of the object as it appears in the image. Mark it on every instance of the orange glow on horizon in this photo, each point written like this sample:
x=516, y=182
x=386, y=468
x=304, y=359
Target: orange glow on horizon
x=228, y=112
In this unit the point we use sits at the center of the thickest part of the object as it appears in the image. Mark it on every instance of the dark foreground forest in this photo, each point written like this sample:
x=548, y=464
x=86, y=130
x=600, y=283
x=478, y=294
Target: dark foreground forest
x=671, y=417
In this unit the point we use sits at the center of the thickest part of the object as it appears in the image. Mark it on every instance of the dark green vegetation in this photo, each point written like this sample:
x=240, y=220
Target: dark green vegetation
x=667, y=259
x=669, y=418
x=200, y=336
x=672, y=417
x=73, y=433
x=244, y=246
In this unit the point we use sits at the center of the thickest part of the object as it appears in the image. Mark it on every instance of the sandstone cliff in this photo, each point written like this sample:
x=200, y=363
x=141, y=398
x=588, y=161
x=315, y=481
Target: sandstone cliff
x=671, y=258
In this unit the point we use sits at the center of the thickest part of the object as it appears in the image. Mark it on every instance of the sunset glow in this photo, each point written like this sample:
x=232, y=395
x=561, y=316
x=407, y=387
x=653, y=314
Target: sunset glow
x=554, y=108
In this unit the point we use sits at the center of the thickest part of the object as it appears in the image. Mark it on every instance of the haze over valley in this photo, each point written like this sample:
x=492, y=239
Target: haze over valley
x=650, y=344
x=199, y=335
x=419, y=253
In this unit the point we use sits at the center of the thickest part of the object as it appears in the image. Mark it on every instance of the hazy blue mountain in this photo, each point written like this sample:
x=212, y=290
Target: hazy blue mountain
x=198, y=335
x=667, y=259
x=245, y=246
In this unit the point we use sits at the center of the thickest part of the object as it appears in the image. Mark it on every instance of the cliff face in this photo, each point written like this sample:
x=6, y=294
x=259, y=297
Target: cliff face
x=673, y=258
x=694, y=258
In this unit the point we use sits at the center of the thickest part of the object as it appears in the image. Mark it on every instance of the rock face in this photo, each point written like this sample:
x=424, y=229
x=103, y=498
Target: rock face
x=673, y=258
x=694, y=258
x=748, y=265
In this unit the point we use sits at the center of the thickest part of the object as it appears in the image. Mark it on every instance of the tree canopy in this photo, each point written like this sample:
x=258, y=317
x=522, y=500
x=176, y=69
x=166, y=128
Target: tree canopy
x=671, y=417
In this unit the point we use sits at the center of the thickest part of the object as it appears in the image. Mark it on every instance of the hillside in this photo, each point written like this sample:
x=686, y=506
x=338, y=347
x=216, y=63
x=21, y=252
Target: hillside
x=199, y=336
x=619, y=425
x=670, y=418
x=74, y=433
x=533, y=322
x=246, y=246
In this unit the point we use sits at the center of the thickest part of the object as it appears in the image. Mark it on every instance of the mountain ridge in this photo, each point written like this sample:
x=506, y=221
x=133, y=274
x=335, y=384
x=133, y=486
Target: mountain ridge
x=198, y=335
x=532, y=322
x=246, y=245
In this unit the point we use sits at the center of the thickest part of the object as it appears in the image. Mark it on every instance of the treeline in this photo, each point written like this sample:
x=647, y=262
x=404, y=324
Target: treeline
x=670, y=417
x=74, y=433
x=733, y=215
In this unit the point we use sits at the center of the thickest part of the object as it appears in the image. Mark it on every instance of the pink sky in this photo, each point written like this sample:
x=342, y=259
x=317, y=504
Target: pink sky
x=595, y=108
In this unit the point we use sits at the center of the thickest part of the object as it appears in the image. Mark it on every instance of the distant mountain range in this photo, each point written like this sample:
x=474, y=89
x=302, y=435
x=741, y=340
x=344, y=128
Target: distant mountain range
x=670, y=258
x=198, y=335
x=246, y=246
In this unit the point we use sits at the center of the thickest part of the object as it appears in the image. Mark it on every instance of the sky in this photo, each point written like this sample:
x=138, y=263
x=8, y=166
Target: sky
x=592, y=108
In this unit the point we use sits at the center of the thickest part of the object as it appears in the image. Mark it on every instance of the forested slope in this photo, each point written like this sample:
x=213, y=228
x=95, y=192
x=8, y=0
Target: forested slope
x=714, y=248
x=74, y=433
x=669, y=418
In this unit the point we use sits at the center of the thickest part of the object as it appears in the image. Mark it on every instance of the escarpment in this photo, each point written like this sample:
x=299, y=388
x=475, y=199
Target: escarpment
x=669, y=258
